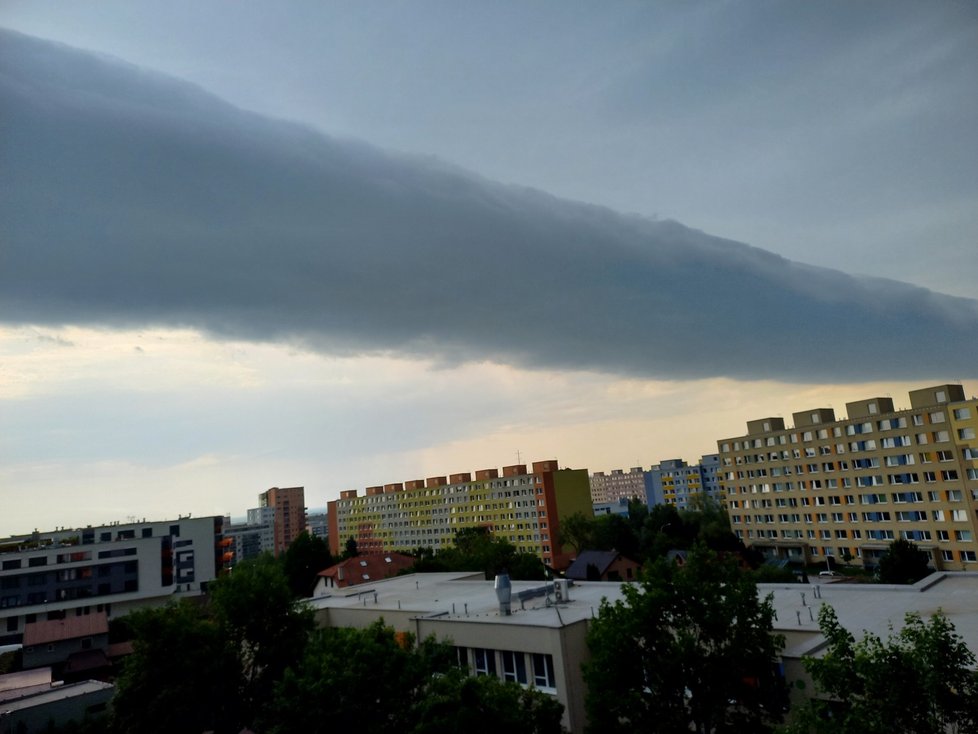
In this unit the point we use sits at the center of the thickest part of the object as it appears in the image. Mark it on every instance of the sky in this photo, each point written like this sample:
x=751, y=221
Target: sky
x=260, y=244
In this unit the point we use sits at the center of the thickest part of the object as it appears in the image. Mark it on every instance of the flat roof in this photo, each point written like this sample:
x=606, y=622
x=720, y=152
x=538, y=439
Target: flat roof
x=874, y=607
x=57, y=693
x=859, y=607
x=467, y=596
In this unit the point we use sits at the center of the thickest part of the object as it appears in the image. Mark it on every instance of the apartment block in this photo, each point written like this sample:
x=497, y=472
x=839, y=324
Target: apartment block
x=617, y=485
x=253, y=537
x=848, y=487
x=523, y=507
x=289, y=519
x=674, y=482
x=111, y=569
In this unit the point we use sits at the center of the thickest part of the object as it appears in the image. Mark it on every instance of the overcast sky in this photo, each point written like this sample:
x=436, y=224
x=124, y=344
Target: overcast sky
x=199, y=302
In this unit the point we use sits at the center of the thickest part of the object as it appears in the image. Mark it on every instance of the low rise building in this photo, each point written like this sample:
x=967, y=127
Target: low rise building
x=361, y=570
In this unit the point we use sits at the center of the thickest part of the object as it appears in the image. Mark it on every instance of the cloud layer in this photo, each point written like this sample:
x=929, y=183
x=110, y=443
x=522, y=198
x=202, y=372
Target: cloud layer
x=131, y=198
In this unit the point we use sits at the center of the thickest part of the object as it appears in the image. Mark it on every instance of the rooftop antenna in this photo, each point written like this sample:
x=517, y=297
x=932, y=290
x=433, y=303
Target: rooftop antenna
x=517, y=456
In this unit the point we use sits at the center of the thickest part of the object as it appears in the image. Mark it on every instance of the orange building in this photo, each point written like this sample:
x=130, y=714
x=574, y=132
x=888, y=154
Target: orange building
x=289, y=504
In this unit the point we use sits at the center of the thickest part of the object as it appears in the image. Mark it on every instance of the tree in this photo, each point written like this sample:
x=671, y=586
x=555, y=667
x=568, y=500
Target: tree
x=918, y=681
x=306, y=556
x=264, y=624
x=350, y=680
x=577, y=531
x=351, y=550
x=456, y=703
x=903, y=563
x=376, y=680
x=688, y=649
x=182, y=675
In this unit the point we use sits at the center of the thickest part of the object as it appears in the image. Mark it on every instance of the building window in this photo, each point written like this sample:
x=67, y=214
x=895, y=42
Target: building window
x=485, y=661
x=543, y=671
x=514, y=667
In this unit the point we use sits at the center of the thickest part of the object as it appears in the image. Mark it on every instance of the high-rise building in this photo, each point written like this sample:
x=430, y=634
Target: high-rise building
x=525, y=508
x=289, y=521
x=618, y=484
x=674, y=482
x=848, y=487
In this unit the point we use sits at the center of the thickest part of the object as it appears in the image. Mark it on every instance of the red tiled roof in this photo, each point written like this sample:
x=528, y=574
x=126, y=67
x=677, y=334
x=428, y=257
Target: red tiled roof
x=368, y=567
x=69, y=628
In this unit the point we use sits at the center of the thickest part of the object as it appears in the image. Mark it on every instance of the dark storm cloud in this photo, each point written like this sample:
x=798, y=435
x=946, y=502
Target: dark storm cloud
x=131, y=199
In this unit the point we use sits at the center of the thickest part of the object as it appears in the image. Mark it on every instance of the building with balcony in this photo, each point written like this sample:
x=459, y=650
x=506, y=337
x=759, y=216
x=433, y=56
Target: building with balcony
x=847, y=487
x=617, y=485
x=111, y=569
x=520, y=506
x=674, y=482
x=289, y=517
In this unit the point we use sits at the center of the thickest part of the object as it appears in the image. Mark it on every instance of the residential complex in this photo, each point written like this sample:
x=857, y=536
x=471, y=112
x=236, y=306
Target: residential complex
x=523, y=507
x=848, y=487
x=674, y=482
x=110, y=569
x=618, y=485
x=289, y=518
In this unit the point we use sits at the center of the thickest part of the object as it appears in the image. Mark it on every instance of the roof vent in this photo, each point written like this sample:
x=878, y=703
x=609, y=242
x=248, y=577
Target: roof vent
x=504, y=592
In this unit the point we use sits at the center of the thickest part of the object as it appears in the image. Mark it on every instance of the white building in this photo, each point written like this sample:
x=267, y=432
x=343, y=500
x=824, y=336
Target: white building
x=112, y=568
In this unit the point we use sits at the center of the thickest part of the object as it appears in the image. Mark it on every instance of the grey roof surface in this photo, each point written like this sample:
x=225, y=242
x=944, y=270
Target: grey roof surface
x=871, y=607
x=468, y=596
x=599, y=559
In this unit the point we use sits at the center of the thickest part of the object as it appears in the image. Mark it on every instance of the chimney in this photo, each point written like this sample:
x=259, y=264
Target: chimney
x=504, y=592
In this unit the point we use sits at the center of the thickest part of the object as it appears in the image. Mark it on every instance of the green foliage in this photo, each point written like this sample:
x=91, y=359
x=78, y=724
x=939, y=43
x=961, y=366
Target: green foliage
x=183, y=674
x=903, y=563
x=370, y=680
x=351, y=550
x=651, y=532
x=304, y=559
x=688, y=649
x=197, y=668
x=476, y=549
x=265, y=624
x=349, y=680
x=916, y=682
x=455, y=703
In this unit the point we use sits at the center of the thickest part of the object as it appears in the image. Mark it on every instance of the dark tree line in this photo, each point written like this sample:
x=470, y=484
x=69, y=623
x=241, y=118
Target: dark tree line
x=477, y=549
x=250, y=656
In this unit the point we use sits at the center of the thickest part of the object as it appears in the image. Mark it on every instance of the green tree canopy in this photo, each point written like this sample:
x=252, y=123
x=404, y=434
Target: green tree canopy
x=688, y=649
x=183, y=675
x=261, y=619
x=305, y=558
x=374, y=680
x=903, y=563
x=918, y=681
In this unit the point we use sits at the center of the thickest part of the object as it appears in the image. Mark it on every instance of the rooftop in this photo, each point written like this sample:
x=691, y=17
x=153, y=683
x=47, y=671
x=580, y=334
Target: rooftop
x=859, y=607
x=467, y=596
x=874, y=607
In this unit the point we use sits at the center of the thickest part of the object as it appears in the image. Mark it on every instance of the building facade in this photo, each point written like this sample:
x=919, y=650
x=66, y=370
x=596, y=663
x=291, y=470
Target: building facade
x=111, y=569
x=674, y=482
x=848, y=487
x=289, y=519
x=523, y=507
x=618, y=485
x=253, y=537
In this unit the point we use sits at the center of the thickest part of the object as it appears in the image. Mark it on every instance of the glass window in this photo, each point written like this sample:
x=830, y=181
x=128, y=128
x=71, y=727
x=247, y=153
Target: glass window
x=543, y=671
x=514, y=667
